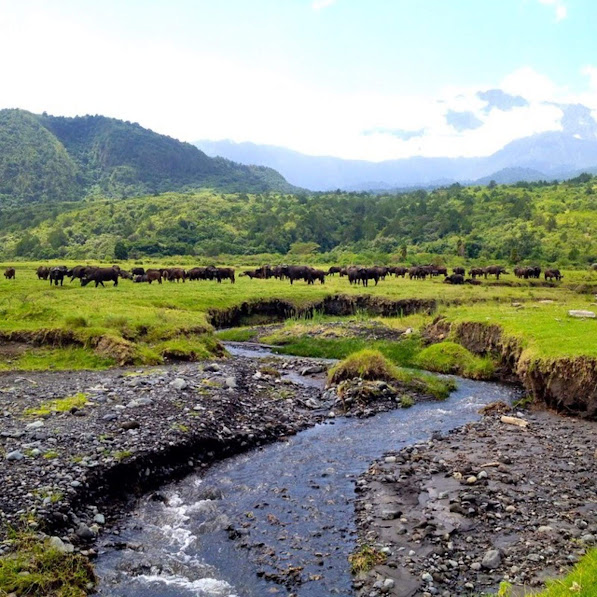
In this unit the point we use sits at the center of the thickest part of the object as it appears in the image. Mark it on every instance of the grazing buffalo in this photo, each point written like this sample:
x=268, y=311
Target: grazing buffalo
x=197, y=273
x=57, y=274
x=526, y=272
x=79, y=271
x=10, y=273
x=174, y=273
x=153, y=275
x=124, y=274
x=476, y=271
x=495, y=270
x=334, y=270
x=101, y=275
x=399, y=270
x=225, y=273
x=552, y=274
x=140, y=278
x=250, y=273
x=138, y=271
x=459, y=271
x=42, y=272
x=454, y=279
x=418, y=272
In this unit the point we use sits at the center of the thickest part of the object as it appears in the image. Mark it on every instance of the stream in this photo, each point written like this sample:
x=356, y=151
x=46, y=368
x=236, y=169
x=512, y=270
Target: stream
x=289, y=506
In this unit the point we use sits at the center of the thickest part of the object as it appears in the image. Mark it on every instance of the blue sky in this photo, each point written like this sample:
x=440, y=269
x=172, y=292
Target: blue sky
x=369, y=79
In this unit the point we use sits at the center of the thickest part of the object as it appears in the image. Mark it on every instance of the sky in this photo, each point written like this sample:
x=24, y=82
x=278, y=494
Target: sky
x=359, y=79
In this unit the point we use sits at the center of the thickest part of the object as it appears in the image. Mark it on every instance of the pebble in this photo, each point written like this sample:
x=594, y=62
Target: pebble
x=179, y=383
x=492, y=559
x=15, y=455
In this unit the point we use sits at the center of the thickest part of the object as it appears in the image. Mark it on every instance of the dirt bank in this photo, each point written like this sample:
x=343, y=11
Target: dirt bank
x=485, y=503
x=567, y=385
x=338, y=305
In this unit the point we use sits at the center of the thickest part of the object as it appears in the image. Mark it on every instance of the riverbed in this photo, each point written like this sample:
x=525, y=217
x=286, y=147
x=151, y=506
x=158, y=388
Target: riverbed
x=278, y=519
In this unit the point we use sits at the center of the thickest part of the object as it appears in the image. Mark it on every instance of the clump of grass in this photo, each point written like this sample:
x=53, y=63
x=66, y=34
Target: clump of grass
x=76, y=322
x=268, y=370
x=372, y=365
x=51, y=454
x=190, y=348
x=122, y=455
x=367, y=364
x=58, y=359
x=449, y=357
x=406, y=401
x=237, y=334
x=34, y=567
x=365, y=559
x=581, y=582
x=57, y=406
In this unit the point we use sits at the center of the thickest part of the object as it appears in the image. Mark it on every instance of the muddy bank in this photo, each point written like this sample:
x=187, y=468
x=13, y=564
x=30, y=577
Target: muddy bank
x=485, y=503
x=567, y=385
x=339, y=305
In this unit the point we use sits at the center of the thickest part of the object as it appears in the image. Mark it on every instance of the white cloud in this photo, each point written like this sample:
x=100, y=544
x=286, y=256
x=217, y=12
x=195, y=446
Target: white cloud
x=321, y=4
x=561, y=11
x=73, y=70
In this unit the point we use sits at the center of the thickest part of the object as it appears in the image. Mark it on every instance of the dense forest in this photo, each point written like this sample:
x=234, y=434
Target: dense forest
x=544, y=222
x=52, y=158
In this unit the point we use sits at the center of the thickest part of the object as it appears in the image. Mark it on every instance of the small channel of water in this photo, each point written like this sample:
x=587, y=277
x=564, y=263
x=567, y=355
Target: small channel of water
x=293, y=498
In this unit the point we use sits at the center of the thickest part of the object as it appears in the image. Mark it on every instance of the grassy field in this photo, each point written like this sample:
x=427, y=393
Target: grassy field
x=155, y=320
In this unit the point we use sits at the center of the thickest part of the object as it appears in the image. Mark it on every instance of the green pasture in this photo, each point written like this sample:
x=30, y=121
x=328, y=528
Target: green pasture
x=154, y=317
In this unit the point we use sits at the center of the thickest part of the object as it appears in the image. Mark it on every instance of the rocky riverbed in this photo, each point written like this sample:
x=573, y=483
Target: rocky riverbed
x=132, y=430
x=488, y=502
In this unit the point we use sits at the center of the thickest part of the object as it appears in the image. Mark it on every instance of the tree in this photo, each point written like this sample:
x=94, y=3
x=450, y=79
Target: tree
x=120, y=250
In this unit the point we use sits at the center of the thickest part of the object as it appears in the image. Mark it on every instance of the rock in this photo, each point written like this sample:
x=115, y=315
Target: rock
x=35, y=425
x=426, y=577
x=582, y=314
x=179, y=383
x=58, y=544
x=544, y=529
x=84, y=532
x=492, y=559
x=110, y=416
x=230, y=382
x=130, y=425
x=15, y=455
x=391, y=513
x=313, y=370
x=211, y=367
x=387, y=586
x=99, y=518
x=471, y=480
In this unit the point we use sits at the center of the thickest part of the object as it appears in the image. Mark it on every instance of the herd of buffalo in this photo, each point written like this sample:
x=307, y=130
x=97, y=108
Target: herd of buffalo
x=355, y=274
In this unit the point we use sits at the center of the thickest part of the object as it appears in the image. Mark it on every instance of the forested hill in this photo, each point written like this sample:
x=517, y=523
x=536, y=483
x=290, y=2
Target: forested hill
x=53, y=158
x=543, y=222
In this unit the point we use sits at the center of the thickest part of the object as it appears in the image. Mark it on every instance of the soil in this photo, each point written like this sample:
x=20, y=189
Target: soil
x=488, y=502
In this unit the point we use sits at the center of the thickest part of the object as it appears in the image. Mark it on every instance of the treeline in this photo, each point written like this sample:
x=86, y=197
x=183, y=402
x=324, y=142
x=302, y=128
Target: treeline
x=544, y=222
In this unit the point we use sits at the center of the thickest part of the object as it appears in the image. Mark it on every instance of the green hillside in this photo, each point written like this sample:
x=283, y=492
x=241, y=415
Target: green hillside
x=53, y=158
x=546, y=223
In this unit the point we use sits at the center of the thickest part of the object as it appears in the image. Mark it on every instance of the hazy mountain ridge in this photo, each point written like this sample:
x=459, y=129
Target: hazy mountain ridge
x=55, y=158
x=546, y=155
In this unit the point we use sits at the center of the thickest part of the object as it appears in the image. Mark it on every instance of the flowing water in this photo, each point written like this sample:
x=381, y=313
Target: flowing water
x=293, y=499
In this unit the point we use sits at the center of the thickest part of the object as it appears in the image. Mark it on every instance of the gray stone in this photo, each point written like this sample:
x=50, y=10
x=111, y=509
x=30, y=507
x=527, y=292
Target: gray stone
x=581, y=313
x=391, y=513
x=492, y=559
x=84, y=532
x=179, y=383
x=35, y=425
x=231, y=382
x=15, y=455
x=58, y=544
x=110, y=416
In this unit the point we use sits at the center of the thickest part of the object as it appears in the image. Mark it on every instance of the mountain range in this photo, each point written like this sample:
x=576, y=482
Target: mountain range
x=543, y=156
x=54, y=158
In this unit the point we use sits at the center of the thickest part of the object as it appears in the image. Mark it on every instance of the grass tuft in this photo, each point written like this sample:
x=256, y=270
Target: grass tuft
x=449, y=357
x=365, y=559
x=367, y=364
x=57, y=406
x=36, y=568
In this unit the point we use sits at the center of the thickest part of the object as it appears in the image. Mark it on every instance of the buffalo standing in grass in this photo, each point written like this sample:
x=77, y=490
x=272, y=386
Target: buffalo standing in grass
x=138, y=271
x=459, y=271
x=551, y=274
x=399, y=270
x=10, y=273
x=101, y=275
x=42, y=272
x=495, y=270
x=57, y=274
x=334, y=270
x=476, y=271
